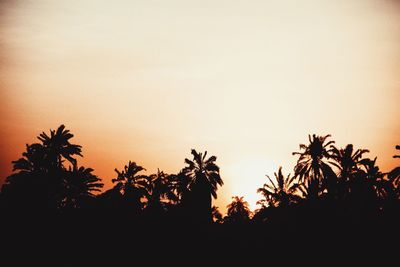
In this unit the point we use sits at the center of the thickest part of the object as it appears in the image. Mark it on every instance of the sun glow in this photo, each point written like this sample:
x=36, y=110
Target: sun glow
x=250, y=171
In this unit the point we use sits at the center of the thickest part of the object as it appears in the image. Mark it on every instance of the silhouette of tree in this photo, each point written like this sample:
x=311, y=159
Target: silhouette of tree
x=335, y=192
x=216, y=214
x=180, y=186
x=314, y=159
x=394, y=175
x=57, y=146
x=160, y=191
x=281, y=193
x=204, y=180
x=33, y=160
x=80, y=184
x=347, y=161
x=373, y=179
x=238, y=211
x=132, y=185
x=40, y=179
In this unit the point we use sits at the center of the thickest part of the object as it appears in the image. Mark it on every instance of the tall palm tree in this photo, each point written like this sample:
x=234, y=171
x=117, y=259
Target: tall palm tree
x=279, y=193
x=314, y=159
x=238, y=211
x=203, y=183
x=80, y=186
x=132, y=185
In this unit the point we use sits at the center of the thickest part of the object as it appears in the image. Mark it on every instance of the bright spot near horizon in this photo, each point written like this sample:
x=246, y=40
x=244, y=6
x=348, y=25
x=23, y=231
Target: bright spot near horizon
x=251, y=171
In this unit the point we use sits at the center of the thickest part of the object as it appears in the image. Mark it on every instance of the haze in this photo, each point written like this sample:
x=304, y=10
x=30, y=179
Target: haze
x=245, y=80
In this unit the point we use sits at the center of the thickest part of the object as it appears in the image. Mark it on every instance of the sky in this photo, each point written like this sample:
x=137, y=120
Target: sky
x=247, y=81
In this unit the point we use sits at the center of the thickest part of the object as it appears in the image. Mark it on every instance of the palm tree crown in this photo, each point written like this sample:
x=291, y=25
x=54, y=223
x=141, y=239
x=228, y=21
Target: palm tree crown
x=160, y=189
x=80, y=185
x=202, y=170
x=313, y=162
x=58, y=146
x=238, y=210
x=280, y=192
x=130, y=183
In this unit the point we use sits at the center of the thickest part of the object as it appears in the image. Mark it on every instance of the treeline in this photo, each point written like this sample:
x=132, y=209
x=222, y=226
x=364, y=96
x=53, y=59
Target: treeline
x=47, y=178
x=337, y=202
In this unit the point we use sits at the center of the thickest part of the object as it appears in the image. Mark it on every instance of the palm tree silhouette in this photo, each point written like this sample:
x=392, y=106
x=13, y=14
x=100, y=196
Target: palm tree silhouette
x=179, y=186
x=348, y=162
x=373, y=179
x=314, y=159
x=160, y=191
x=40, y=173
x=57, y=146
x=132, y=185
x=33, y=160
x=203, y=183
x=281, y=193
x=238, y=211
x=394, y=175
x=347, y=159
x=80, y=186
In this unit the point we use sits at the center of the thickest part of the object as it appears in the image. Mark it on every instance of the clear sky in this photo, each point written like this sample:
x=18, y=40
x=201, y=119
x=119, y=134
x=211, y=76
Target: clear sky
x=246, y=80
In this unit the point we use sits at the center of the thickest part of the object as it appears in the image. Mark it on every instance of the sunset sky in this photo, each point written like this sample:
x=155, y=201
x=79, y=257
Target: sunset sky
x=247, y=81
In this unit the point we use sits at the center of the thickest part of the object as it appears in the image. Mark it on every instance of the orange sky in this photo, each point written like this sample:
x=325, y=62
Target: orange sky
x=246, y=80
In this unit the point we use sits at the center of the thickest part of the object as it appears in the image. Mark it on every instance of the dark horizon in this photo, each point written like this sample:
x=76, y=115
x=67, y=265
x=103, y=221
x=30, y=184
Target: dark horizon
x=337, y=196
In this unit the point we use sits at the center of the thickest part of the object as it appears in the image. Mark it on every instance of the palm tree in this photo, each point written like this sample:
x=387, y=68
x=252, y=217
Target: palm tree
x=238, y=211
x=368, y=191
x=160, y=190
x=394, y=175
x=40, y=174
x=33, y=160
x=348, y=162
x=58, y=147
x=179, y=184
x=373, y=179
x=281, y=193
x=314, y=160
x=132, y=185
x=80, y=186
x=204, y=179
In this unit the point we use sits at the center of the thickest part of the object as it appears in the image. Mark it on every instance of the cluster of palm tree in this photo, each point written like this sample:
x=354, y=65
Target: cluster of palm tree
x=190, y=190
x=48, y=176
x=333, y=176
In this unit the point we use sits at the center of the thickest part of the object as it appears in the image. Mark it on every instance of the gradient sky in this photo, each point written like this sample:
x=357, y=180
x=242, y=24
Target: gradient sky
x=246, y=80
